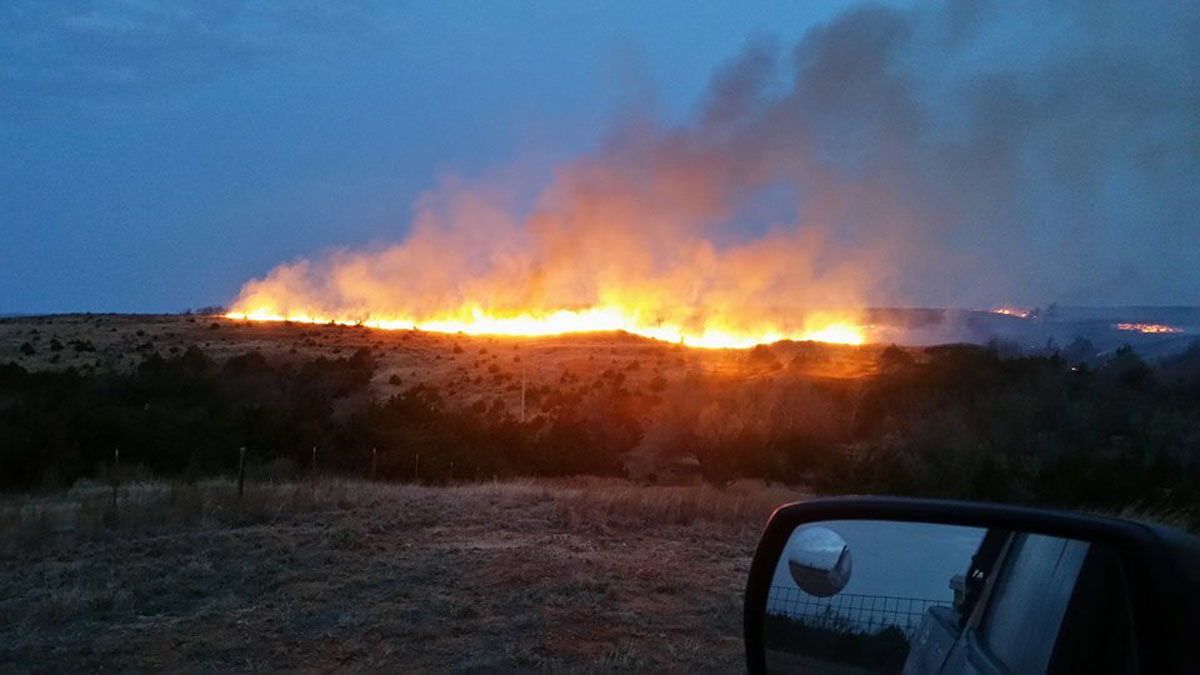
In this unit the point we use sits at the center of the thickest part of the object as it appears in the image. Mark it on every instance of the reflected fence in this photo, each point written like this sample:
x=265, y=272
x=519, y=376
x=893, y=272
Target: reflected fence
x=851, y=613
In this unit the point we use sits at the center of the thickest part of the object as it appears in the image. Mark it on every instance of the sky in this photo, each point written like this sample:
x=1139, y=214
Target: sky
x=157, y=156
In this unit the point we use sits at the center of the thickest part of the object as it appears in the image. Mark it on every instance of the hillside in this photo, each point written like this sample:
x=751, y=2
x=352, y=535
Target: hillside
x=178, y=397
x=464, y=367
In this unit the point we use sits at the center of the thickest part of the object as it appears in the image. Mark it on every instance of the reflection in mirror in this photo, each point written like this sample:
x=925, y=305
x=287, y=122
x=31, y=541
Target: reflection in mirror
x=819, y=561
x=921, y=597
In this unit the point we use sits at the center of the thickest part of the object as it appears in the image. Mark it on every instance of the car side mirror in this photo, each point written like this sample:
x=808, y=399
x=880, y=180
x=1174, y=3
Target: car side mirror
x=869, y=584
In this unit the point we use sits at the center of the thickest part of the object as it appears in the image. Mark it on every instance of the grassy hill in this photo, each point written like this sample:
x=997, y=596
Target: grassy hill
x=468, y=367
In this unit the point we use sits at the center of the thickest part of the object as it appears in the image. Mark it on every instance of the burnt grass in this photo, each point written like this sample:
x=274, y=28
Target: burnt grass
x=569, y=575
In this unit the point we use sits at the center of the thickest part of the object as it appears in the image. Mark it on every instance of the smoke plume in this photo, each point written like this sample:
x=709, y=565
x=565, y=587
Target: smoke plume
x=958, y=154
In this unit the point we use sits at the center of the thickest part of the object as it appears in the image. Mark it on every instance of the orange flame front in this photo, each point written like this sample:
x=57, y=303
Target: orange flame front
x=475, y=321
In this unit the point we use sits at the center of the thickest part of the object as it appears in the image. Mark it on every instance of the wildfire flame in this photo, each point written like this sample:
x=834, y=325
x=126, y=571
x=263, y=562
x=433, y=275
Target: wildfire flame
x=1149, y=328
x=646, y=237
x=476, y=321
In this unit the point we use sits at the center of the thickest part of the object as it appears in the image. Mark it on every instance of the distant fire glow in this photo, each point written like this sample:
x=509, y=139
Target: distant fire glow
x=1013, y=311
x=477, y=322
x=1149, y=328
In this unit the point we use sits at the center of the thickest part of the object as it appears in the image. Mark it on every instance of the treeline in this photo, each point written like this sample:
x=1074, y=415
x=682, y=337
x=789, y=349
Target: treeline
x=956, y=421
x=963, y=421
x=182, y=416
x=187, y=416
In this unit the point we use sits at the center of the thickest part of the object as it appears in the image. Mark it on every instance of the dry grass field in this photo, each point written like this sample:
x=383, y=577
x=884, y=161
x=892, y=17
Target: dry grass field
x=577, y=575
x=571, y=574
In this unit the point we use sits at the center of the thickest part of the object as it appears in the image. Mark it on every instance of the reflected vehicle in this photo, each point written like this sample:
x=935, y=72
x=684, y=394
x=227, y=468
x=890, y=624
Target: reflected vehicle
x=863, y=585
x=1031, y=603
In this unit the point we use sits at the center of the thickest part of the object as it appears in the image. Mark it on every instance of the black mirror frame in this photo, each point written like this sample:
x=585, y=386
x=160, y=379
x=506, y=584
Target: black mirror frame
x=1162, y=564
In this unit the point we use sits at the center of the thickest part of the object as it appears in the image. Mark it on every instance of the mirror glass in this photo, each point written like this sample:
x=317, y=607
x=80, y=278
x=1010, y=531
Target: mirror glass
x=891, y=597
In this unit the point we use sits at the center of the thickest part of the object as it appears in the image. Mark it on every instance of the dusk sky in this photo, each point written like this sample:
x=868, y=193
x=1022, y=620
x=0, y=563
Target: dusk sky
x=157, y=156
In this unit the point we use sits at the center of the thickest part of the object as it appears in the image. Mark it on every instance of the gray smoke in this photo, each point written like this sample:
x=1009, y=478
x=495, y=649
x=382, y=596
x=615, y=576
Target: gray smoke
x=974, y=153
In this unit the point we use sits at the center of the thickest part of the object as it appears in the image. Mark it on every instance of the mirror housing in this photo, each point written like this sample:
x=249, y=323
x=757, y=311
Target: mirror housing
x=1161, y=565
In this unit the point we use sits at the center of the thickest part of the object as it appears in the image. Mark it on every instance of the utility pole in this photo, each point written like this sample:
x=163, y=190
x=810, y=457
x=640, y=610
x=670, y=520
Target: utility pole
x=522, y=391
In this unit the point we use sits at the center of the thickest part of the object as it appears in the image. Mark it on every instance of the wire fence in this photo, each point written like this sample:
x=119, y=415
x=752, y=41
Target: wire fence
x=851, y=613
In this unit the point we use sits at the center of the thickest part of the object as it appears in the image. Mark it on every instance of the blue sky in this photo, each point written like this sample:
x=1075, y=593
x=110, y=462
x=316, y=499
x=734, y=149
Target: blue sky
x=158, y=155
x=158, y=158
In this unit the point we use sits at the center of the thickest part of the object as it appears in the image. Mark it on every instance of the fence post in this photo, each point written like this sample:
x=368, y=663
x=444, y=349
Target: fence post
x=374, y=462
x=241, y=472
x=116, y=481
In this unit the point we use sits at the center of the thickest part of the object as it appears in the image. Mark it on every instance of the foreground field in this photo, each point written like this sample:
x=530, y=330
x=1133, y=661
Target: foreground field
x=574, y=574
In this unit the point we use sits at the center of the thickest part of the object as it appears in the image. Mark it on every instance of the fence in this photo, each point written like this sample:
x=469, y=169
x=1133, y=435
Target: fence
x=851, y=613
